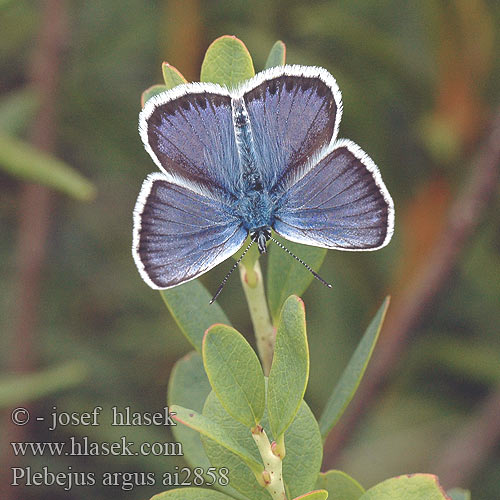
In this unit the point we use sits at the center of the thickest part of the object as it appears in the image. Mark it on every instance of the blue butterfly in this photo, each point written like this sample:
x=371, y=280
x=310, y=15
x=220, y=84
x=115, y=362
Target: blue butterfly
x=240, y=162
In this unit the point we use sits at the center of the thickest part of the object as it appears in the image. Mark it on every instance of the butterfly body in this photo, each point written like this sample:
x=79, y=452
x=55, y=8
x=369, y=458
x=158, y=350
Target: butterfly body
x=242, y=161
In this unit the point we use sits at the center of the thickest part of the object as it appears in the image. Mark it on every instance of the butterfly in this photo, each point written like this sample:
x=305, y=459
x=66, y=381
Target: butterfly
x=242, y=162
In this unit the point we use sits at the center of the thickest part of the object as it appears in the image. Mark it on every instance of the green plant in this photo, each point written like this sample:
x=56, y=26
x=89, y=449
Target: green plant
x=246, y=416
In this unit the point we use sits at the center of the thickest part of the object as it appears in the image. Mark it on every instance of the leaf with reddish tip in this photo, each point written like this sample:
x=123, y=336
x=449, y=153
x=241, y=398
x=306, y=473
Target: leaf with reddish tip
x=314, y=495
x=227, y=62
x=172, y=76
x=277, y=55
x=407, y=487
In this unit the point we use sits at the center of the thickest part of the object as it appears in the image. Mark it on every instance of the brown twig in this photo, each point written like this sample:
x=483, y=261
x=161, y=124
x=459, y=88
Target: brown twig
x=465, y=214
x=34, y=213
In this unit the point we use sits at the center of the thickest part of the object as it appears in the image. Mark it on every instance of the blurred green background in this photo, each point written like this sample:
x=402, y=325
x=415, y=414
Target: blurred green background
x=420, y=83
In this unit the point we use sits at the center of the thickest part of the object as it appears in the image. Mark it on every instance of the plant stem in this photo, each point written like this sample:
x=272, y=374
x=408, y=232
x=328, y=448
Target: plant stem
x=265, y=334
x=273, y=465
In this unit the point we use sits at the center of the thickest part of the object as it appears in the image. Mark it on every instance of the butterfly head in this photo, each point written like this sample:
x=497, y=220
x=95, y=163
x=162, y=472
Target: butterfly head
x=261, y=235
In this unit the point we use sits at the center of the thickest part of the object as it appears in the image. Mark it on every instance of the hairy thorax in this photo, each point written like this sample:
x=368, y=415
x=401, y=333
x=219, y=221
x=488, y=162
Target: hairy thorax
x=255, y=208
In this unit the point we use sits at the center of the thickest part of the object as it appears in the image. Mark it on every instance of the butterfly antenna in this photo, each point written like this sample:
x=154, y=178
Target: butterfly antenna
x=224, y=281
x=316, y=275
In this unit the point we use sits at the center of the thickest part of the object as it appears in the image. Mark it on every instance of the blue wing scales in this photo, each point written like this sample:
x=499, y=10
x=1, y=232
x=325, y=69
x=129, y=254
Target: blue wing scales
x=180, y=234
x=294, y=113
x=341, y=203
x=189, y=133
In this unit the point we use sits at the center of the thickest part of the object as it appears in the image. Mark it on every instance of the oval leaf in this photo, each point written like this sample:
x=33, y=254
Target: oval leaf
x=172, y=76
x=152, y=91
x=339, y=485
x=301, y=464
x=314, y=495
x=277, y=55
x=352, y=375
x=189, y=386
x=235, y=374
x=227, y=62
x=290, y=368
x=286, y=276
x=407, y=487
x=22, y=160
x=215, y=432
x=191, y=494
x=189, y=306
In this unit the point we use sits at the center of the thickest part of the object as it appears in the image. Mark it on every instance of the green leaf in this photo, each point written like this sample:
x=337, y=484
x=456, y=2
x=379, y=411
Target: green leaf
x=17, y=389
x=277, y=55
x=290, y=368
x=189, y=306
x=152, y=91
x=350, y=379
x=301, y=464
x=191, y=494
x=314, y=495
x=189, y=386
x=17, y=109
x=286, y=276
x=407, y=487
x=339, y=485
x=235, y=374
x=458, y=494
x=172, y=76
x=24, y=161
x=227, y=62
x=217, y=433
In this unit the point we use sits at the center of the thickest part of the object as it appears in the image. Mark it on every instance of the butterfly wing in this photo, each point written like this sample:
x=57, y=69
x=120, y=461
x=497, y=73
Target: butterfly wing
x=180, y=234
x=340, y=203
x=189, y=133
x=294, y=113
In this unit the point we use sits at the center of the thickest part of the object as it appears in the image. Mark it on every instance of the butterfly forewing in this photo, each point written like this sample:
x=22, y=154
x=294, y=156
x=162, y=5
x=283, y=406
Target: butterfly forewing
x=189, y=133
x=341, y=203
x=294, y=113
x=180, y=234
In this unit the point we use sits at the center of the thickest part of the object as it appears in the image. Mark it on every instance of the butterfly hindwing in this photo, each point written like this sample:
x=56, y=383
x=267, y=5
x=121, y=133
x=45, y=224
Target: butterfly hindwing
x=180, y=234
x=294, y=113
x=340, y=203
